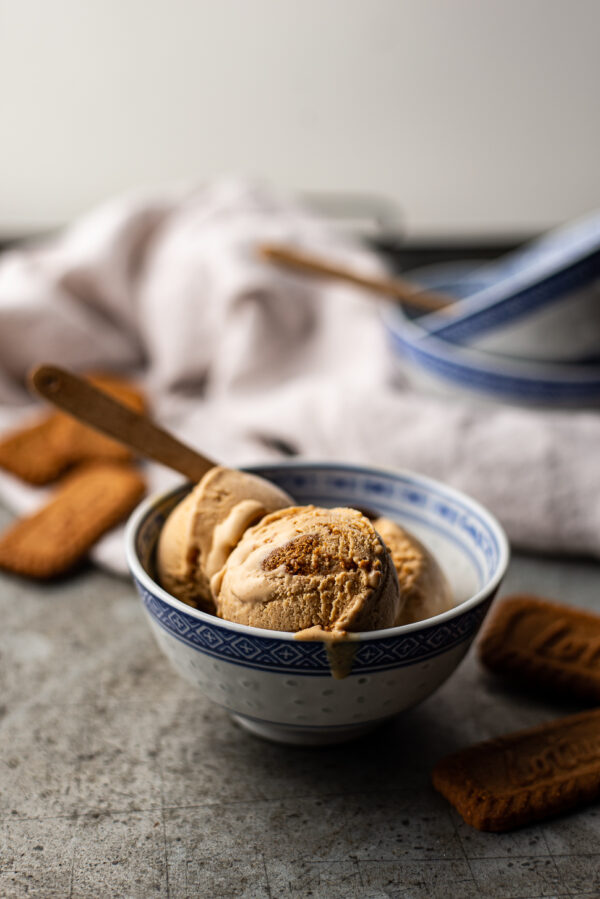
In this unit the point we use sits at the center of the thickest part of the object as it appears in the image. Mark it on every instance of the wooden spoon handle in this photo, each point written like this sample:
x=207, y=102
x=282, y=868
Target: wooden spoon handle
x=394, y=288
x=97, y=409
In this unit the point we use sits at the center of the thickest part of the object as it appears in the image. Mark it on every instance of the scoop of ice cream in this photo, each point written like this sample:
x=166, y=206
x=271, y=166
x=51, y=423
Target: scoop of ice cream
x=305, y=567
x=204, y=527
x=423, y=585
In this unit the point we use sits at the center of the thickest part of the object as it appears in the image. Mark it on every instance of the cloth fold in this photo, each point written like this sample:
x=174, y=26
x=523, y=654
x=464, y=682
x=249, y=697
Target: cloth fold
x=241, y=358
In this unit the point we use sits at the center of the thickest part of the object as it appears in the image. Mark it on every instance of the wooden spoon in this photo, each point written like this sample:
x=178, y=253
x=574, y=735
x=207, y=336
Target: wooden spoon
x=97, y=409
x=393, y=288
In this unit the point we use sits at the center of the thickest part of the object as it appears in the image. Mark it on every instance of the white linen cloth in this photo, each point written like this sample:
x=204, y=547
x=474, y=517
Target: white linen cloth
x=236, y=355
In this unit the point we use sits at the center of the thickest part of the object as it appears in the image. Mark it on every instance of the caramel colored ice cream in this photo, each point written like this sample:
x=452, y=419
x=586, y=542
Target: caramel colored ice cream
x=203, y=528
x=423, y=585
x=306, y=567
x=238, y=547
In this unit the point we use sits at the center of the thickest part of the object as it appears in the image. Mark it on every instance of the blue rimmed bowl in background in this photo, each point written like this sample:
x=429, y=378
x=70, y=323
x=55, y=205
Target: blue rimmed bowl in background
x=436, y=365
x=540, y=302
x=283, y=689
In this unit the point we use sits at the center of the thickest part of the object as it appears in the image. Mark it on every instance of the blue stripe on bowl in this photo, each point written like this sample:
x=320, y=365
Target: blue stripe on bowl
x=307, y=658
x=576, y=385
x=469, y=323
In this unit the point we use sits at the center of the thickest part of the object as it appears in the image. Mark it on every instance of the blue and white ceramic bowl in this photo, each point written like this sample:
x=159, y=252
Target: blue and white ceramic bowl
x=541, y=302
x=283, y=689
x=440, y=366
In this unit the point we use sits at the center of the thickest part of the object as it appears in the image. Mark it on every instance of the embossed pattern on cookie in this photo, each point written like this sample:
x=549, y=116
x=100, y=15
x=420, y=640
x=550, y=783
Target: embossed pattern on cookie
x=545, y=643
x=526, y=776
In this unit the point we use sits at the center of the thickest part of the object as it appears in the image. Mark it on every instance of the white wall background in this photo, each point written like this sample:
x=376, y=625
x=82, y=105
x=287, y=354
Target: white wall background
x=471, y=114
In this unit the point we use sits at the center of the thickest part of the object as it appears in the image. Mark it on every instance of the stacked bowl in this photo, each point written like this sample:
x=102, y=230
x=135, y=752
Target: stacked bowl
x=524, y=329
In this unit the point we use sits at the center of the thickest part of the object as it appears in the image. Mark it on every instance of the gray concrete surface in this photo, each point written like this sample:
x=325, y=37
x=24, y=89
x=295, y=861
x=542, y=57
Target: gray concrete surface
x=116, y=779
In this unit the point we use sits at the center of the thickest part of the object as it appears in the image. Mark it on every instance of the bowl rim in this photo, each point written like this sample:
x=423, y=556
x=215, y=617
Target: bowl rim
x=410, y=332
x=553, y=372
x=141, y=512
x=541, y=263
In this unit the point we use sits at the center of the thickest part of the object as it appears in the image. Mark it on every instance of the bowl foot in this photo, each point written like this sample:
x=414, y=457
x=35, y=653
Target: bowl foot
x=300, y=736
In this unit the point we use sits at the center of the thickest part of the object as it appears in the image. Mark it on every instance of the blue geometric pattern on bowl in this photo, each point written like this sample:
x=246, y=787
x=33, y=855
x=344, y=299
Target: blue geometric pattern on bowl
x=329, y=485
x=266, y=654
